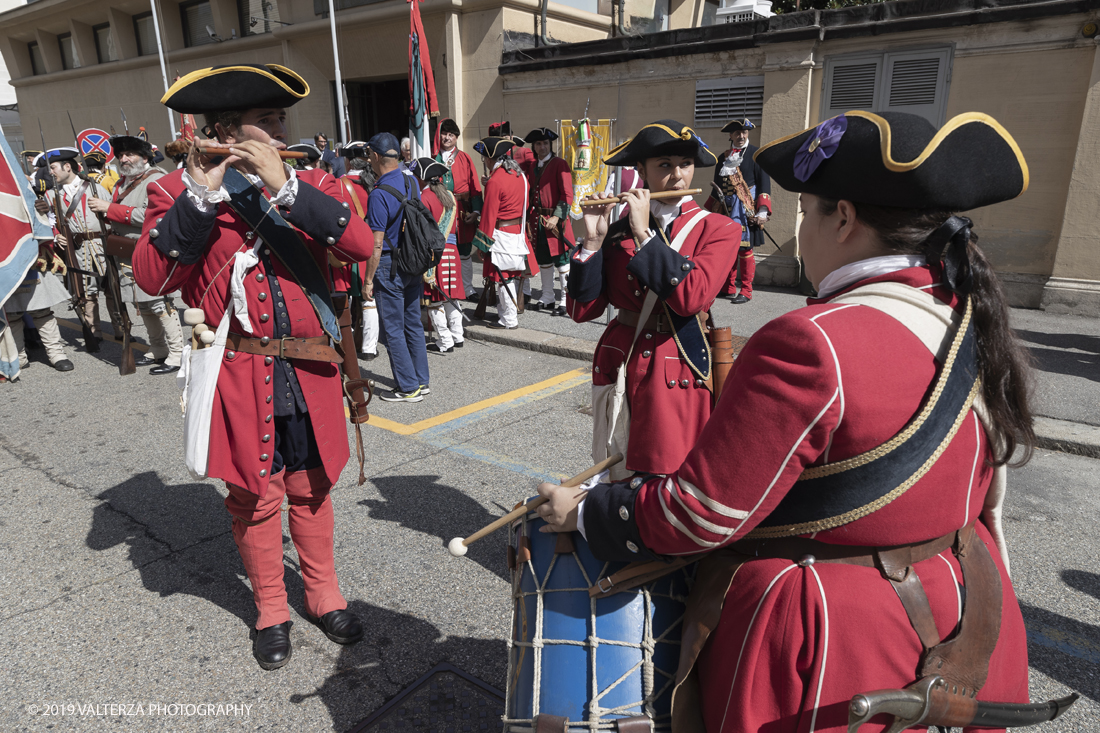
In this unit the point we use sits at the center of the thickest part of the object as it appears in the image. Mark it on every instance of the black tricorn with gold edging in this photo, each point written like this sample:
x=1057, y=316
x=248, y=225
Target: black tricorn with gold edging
x=494, y=147
x=311, y=151
x=901, y=160
x=236, y=87
x=663, y=137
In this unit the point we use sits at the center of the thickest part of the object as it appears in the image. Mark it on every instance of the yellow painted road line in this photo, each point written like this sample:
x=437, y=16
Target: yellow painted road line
x=576, y=375
x=74, y=326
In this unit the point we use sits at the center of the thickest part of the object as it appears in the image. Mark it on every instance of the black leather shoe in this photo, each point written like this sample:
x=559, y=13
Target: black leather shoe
x=458, y=344
x=437, y=349
x=739, y=298
x=63, y=365
x=164, y=369
x=271, y=647
x=535, y=307
x=342, y=626
x=146, y=360
x=559, y=311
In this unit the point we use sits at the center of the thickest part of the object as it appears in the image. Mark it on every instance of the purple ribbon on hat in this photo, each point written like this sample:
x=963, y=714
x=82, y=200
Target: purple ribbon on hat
x=819, y=146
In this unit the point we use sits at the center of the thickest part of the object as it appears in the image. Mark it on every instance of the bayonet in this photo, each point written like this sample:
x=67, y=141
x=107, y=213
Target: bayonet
x=125, y=124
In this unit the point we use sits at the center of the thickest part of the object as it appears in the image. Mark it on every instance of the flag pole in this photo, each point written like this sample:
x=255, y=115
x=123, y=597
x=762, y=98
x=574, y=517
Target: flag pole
x=163, y=66
x=339, y=82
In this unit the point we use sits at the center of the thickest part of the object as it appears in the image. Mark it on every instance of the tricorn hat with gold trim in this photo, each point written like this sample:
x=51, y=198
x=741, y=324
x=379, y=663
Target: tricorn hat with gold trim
x=901, y=160
x=494, y=147
x=237, y=87
x=663, y=137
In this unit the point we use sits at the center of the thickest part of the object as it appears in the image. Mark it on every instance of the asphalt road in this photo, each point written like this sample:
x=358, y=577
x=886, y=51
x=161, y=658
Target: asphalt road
x=120, y=582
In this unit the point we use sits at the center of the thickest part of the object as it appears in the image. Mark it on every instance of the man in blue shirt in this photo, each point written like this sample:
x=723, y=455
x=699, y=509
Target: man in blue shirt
x=397, y=294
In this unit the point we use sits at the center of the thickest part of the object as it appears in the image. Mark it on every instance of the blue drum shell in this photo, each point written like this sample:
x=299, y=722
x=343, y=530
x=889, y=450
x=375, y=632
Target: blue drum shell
x=572, y=669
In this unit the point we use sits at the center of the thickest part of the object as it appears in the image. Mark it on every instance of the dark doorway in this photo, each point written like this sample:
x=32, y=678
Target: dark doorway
x=377, y=106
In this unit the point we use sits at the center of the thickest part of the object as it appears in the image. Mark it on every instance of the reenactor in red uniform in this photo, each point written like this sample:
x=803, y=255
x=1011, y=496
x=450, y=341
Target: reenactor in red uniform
x=662, y=267
x=442, y=283
x=462, y=181
x=853, y=472
x=246, y=239
x=548, y=217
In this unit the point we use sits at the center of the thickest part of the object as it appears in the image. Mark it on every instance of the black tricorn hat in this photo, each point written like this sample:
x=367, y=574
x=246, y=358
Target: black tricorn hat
x=541, y=133
x=354, y=149
x=60, y=155
x=494, y=147
x=449, y=125
x=429, y=168
x=311, y=151
x=900, y=160
x=663, y=137
x=30, y=153
x=128, y=143
x=738, y=125
x=238, y=87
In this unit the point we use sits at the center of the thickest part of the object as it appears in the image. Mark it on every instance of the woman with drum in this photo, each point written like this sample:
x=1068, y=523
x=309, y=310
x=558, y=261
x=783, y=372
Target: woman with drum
x=835, y=535
x=500, y=235
x=442, y=283
x=661, y=266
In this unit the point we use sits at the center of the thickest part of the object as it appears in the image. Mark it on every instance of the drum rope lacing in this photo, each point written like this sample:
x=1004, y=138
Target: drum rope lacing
x=648, y=644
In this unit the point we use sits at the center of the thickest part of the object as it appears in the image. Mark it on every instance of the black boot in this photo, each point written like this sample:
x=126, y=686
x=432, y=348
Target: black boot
x=342, y=626
x=271, y=646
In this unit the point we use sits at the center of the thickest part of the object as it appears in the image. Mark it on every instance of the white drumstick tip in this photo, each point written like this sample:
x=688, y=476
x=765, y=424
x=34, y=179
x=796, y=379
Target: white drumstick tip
x=456, y=547
x=193, y=316
x=207, y=336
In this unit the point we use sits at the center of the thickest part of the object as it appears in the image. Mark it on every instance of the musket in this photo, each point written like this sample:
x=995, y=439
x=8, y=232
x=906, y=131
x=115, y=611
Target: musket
x=721, y=200
x=74, y=276
x=126, y=364
x=928, y=702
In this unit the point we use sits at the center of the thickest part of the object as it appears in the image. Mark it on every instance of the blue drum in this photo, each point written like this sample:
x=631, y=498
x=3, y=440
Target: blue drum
x=590, y=660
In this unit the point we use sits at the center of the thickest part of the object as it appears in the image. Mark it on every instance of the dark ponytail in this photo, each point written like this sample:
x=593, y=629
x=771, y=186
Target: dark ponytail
x=1004, y=364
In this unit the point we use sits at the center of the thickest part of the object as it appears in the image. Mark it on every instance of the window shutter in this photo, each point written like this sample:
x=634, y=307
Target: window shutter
x=916, y=82
x=717, y=101
x=851, y=84
x=146, y=34
x=195, y=19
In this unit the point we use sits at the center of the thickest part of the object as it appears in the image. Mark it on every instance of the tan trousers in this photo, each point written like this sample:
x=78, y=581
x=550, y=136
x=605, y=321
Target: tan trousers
x=48, y=331
x=165, y=333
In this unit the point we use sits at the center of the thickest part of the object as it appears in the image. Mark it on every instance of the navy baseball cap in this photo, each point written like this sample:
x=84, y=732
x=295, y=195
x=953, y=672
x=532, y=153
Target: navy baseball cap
x=385, y=144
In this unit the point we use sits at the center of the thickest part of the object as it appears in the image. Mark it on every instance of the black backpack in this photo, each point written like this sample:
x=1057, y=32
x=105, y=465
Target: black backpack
x=424, y=243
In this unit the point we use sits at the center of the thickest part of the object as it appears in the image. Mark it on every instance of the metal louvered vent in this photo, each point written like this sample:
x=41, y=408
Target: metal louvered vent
x=853, y=86
x=719, y=105
x=914, y=82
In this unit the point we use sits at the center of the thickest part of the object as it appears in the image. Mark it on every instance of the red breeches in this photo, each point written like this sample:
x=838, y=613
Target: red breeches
x=258, y=531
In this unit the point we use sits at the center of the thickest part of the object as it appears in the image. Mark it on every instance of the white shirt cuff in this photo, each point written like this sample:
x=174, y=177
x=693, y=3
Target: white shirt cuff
x=289, y=192
x=763, y=214
x=200, y=195
x=580, y=519
x=583, y=254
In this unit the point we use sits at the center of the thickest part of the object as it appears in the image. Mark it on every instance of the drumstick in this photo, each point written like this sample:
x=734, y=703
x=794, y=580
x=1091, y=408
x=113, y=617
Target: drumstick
x=652, y=197
x=224, y=150
x=458, y=546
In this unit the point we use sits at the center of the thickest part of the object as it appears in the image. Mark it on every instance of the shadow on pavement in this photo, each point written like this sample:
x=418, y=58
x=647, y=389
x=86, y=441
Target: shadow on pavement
x=179, y=540
x=1061, y=647
x=396, y=649
x=422, y=504
x=1058, y=361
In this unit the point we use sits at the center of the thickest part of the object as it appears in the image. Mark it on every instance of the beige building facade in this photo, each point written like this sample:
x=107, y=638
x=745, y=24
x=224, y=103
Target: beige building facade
x=1032, y=66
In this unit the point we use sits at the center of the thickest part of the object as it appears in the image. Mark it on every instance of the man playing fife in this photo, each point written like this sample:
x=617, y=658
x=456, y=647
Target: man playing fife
x=126, y=214
x=277, y=422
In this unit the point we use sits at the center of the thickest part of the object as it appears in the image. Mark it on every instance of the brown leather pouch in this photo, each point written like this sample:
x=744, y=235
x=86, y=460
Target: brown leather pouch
x=116, y=245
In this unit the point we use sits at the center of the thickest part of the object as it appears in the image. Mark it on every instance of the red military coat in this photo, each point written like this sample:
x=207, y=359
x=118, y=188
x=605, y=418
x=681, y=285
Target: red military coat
x=505, y=194
x=448, y=273
x=242, y=400
x=819, y=385
x=551, y=190
x=668, y=404
x=351, y=193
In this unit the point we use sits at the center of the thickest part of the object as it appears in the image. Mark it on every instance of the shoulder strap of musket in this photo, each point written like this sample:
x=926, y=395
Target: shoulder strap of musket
x=285, y=242
x=829, y=496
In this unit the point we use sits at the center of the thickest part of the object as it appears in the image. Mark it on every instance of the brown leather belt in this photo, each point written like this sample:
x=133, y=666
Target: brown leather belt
x=310, y=349
x=464, y=196
x=544, y=211
x=508, y=222
x=657, y=321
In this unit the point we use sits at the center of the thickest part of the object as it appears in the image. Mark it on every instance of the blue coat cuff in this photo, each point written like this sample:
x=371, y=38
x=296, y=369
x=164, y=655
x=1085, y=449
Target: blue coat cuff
x=659, y=267
x=319, y=215
x=609, y=524
x=586, y=278
x=182, y=232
